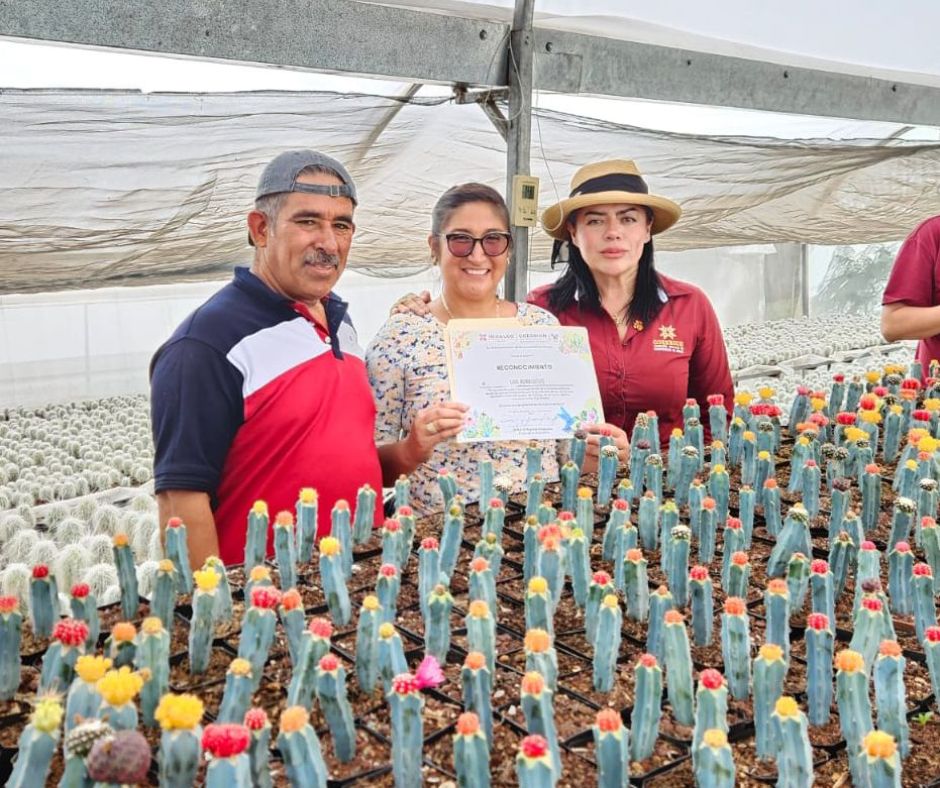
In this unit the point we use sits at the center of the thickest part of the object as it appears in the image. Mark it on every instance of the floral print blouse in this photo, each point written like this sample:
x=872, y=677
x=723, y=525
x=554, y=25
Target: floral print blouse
x=407, y=369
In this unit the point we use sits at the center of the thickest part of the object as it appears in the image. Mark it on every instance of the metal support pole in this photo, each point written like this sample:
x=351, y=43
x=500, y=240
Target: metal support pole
x=519, y=136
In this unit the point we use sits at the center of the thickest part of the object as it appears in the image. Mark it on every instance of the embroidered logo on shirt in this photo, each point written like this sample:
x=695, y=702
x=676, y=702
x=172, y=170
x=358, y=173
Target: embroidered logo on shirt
x=638, y=325
x=667, y=341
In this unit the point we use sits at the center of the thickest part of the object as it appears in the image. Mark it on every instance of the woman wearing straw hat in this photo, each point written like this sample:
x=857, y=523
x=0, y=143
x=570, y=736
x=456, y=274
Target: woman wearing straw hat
x=656, y=340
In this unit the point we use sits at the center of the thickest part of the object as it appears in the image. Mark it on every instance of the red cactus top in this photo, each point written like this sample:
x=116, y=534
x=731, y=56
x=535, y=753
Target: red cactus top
x=225, y=740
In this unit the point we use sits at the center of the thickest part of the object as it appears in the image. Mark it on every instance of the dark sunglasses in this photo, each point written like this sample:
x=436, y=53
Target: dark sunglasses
x=462, y=244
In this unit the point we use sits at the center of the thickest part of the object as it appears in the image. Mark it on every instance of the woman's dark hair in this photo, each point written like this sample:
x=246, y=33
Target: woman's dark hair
x=577, y=283
x=458, y=196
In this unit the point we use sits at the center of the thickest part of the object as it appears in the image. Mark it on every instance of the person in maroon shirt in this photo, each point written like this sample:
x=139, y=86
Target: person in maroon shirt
x=656, y=340
x=911, y=302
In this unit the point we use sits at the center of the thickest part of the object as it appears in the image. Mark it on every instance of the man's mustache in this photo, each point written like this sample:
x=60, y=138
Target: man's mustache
x=319, y=257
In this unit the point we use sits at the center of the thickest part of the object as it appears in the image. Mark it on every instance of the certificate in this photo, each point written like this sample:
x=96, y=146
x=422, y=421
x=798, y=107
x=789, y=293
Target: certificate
x=522, y=382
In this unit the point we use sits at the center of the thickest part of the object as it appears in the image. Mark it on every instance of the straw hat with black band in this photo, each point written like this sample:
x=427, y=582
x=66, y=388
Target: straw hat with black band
x=608, y=183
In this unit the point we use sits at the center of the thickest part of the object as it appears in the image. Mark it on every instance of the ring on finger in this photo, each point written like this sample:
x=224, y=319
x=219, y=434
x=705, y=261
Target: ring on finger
x=431, y=427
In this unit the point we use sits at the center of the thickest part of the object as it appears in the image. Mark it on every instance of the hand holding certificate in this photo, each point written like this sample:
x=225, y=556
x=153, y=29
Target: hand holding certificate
x=522, y=382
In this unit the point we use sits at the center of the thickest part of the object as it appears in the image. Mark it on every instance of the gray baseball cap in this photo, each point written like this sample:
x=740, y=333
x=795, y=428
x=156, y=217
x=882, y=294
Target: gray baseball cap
x=281, y=175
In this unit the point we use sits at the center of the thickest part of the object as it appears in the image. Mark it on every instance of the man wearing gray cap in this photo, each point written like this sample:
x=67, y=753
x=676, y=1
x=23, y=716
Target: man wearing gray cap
x=262, y=390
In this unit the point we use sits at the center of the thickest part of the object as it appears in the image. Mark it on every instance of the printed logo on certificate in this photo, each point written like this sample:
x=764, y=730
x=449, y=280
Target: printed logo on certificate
x=522, y=382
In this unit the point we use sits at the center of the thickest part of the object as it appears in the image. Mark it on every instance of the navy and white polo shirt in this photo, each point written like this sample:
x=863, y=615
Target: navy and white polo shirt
x=251, y=399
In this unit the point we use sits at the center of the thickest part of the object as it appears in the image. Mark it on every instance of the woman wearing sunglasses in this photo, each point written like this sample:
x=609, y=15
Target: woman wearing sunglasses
x=470, y=243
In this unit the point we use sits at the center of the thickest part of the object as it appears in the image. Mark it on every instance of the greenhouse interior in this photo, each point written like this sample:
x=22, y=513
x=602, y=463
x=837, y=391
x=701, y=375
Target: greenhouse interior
x=739, y=590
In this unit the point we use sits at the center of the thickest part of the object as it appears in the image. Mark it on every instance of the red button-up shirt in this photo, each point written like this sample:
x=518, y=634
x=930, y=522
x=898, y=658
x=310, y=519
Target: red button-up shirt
x=680, y=355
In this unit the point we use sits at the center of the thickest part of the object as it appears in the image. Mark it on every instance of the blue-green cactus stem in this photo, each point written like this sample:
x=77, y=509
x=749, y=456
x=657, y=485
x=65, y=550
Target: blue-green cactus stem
x=890, y=694
x=907, y=477
x=403, y=488
x=536, y=702
x=607, y=644
x=233, y=773
x=392, y=538
x=530, y=548
x=822, y=597
x=703, y=608
x=429, y=571
x=926, y=501
x=748, y=458
x=711, y=707
x=37, y=744
x=331, y=692
x=364, y=516
x=736, y=441
x=840, y=503
x=494, y=517
x=900, y=574
x=611, y=750
x=732, y=542
x=153, y=653
x=676, y=442
x=892, y=442
x=367, y=640
x=11, y=634
x=777, y=610
x=677, y=564
x=925, y=609
x=222, y=611
x=600, y=586
x=765, y=469
x=551, y=566
x=306, y=514
x=334, y=580
x=794, y=538
x=707, y=532
x=316, y=643
x=695, y=436
x=536, y=491
x=608, y=464
x=303, y=757
x=696, y=496
x=84, y=607
x=341, y=530
x=127, y=576
x=579, y=566
x=855, y=718
x=257, y=635
x=407, y=732
x=648, y=521
x=678, y=661
x=201, y=630
x=717, y=453
x=43, y=601
x=811, y=483
x=795, y=756
x=819, y=644
x=719, y=488
x=842, y=555
x=180, y=753
x=177, y=550
x=639, y=451
x=406, y=518
x=853, y=394
x=477, y=688
x=739, y=572
x=713, y=763
x=736, y=647
x=533, y=461
x=647, y=707
x=653, y=475
x=437, y=636
x=930, y=541
x=661, y=601
x=570, y=474
x=451, y=537
x=471, y=753
x=797, y=580
x=636, y=585
x=668, y=519
x=688, y=465
x=747, y=500
x=901, y=519
x=718, y=420
x=481, y=632
x=256, y=539
x=626, y=491
x=578, y=448
x=291, y=613
x=770, y=669
x=770, y=495
x=387, y=588
x=490, y=548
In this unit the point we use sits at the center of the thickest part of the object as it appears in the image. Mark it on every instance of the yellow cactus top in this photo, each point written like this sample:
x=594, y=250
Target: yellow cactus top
x=854, y=433
x=121, y=686
x=932, y=404
x=293, y=719
x=771, y=652
x=786, y=707
x=766, y=392
x=308, y=495
x=48, y=715
x=240, y=667
x=259, y=573
x=911, y=465
x=584, y=492
x=928, y=444
x=802, y=441
x=371, y=602
x=284, y=520
x=166, y=565
x=715, y=738
x=329, y=545
x=152, y=626
x=123, y=632
x=120, y=540
x=179, y=712
x=879, y=744
x=749, y=436
x=873, y=376
x=386, y=630
x=90, y=667
x=206, y=579
x=718, y=468
x=763, y=455
x=897, y=410
x=676, y=432
x=609, y=600
x=479, y=609
x=259, y=507
x=743, y=398
x=870, y=416
x=817, y=403
x=538, y=585
x=537, y=641
x=849, y=661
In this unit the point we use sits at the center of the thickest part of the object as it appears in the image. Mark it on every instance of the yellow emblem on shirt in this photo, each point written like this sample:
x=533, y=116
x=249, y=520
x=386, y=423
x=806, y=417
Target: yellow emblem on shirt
x=667, y=341
x=667, y=332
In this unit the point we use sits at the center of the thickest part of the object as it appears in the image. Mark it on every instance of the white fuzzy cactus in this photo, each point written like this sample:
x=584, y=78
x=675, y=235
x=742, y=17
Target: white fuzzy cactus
x=110, y=595
x=100, y=578
x=100, y=547
x=85, y=508
x=14, y=581
x=142, y=535
x=69, y=531
x=20, y=547
x=9, y=525
x=71, y=564
x=142, y=502
x=55, y=514
x=106, y=520
x=45, y=552
x=156, y=546
x=146, y=574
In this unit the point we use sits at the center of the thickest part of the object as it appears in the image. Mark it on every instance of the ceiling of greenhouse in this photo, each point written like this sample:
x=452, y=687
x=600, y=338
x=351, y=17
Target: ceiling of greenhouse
x=111, y=187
